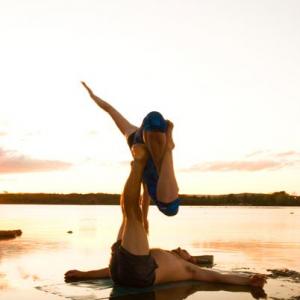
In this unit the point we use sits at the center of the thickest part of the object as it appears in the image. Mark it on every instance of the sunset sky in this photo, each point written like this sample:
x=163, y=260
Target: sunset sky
x=227, y=73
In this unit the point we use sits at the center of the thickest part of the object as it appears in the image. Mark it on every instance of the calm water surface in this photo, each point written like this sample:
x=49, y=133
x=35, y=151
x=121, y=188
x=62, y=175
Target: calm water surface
x=240, y=238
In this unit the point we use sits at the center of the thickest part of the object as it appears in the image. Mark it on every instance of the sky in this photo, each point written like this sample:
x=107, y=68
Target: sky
x=226, y=73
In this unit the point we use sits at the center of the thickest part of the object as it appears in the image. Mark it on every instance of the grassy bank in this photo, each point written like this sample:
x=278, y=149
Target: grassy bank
x=274, y=199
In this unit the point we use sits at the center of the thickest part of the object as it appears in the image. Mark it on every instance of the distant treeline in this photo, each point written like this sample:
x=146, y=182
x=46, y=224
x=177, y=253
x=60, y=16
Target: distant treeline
x=274, y=199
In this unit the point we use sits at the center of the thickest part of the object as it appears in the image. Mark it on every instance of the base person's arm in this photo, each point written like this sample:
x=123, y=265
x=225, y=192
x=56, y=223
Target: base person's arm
x=204, y=274
x=75, y=275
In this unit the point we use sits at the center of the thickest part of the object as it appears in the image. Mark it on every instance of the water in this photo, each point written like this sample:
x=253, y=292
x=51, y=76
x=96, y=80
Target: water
x=240, y=238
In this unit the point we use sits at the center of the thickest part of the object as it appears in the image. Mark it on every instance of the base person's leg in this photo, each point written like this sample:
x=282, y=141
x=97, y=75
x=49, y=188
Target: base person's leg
x=134, y=238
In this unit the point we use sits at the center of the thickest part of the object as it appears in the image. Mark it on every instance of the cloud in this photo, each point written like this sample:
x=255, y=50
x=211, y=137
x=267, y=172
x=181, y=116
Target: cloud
x=258, y=160
x=250, y=166
x=268, y=153
x=287, y=153
x=2, y=133
x=12, y=162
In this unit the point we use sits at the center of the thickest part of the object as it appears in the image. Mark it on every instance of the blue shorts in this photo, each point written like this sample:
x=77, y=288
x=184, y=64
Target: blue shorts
x=154, y=121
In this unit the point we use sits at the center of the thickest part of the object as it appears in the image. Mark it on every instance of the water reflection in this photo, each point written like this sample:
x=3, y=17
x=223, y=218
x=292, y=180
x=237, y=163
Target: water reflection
x=19, y=246
x=266, y=254
x=180, y=291
x=104, y=289
x=238, y=237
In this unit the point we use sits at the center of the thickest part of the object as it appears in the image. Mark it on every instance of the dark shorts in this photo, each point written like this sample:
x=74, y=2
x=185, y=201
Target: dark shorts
x=131, y=270
x=154, y=121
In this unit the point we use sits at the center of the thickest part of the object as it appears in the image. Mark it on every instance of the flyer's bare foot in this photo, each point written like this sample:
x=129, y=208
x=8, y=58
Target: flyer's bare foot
x=258, y=280
x=170, y=143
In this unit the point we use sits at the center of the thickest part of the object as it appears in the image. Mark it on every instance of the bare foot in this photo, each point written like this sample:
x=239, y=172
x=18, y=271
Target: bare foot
x=170, y=143
x=140, y=153
x=258, y=280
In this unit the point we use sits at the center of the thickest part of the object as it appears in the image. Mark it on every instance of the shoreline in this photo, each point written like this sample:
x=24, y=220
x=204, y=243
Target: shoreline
x=243, y=199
